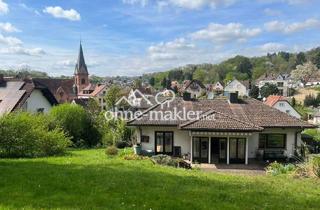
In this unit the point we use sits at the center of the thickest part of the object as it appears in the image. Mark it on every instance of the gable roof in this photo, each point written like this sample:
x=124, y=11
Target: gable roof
x=247, y=114
x=16, y=92
x=273, y=99
x=58, y=84
x=188, y=83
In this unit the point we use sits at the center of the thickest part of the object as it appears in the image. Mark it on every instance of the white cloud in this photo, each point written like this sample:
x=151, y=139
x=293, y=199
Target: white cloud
x=23, y=51
x=272, y=47
x=9, y=40
x=290, y=2
x=30, y=9
x=59, y=12
x=4, y=8
x=272, y=12
x=8, y=27
x=186, y=4
x=219, y=33
x=132, y=2
x=280, y=26
x=67, y=63
x=170, y=50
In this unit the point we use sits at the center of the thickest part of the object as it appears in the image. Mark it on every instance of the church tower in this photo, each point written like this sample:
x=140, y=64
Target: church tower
x=81, y=75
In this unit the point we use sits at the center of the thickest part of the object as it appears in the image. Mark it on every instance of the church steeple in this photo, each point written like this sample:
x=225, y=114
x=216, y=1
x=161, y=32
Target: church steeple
x=81, y=74
x=81, y=67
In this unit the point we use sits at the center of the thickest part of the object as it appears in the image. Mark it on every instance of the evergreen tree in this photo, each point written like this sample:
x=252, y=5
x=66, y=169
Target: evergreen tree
x=254, y=92
x=269, y=89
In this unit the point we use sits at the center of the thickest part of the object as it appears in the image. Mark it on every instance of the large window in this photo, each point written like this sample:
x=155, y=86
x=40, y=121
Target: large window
x=269, y=141
x=164, y=143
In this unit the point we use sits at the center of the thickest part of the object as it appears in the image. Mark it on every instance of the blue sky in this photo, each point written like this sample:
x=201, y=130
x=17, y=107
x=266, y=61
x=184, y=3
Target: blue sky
x=132, y=37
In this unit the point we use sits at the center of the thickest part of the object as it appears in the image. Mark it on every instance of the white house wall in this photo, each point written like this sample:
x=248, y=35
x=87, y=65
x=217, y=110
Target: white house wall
x=182, y=139
x=290, y=147
x=236, y=86
x=37, y=101
x=285, y=107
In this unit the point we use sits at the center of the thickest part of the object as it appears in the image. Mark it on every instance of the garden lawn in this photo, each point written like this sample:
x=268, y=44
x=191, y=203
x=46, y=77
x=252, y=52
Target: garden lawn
x=89, y=180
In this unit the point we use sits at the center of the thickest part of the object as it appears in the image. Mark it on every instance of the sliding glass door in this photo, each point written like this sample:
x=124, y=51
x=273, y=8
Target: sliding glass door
x=164, y=143
x=237, y=150
x=200, y=149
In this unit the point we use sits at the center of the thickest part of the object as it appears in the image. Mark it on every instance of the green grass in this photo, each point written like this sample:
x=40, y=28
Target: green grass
x=89, y=180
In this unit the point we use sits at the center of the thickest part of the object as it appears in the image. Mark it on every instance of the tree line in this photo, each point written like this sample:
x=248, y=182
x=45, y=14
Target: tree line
x=239, y=67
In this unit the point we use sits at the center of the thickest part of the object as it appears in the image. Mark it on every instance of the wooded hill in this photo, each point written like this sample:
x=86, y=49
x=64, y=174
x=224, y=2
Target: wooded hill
x=240, y=67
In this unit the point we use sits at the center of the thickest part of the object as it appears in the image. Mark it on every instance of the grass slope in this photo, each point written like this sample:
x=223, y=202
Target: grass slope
x=88, y=180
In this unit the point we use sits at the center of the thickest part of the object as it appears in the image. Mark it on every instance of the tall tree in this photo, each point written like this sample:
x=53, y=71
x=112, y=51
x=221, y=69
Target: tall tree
x=112, y=96
x=200, y=75
x=152, y=81
x=316, y=60
x=269, y=89
x=304, y=72
x=254, y=92
x=301, y=58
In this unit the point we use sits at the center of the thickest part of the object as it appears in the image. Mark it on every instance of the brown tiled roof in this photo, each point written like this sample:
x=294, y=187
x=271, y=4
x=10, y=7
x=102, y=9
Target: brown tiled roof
x=245, y=115
x=55, y=84
x=213, y=120
x=272, y=100
x=98, y=89
x=16, y=92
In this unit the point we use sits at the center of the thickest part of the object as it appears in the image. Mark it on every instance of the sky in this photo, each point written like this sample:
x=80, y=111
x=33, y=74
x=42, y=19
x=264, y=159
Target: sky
x=133, y=37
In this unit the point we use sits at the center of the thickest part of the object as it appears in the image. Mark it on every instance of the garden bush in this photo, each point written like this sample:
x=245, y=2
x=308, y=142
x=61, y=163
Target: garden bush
x=316, y=165
x=309, y=168
x=76, y=122
x=164, y=160
x=28, y=135
x=169, y=161
x=112, y=151
x=276, y=168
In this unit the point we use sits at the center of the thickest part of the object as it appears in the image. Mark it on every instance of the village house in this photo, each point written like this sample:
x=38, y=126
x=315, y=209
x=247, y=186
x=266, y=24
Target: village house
x=214, y=89
x=194, y=87
x=282, y=81
x=27, y=95
x=235, y=85
x=228, y=130
x=282, y=104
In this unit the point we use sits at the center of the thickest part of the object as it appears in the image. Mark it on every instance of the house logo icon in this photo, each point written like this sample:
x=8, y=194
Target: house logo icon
x=136, y=98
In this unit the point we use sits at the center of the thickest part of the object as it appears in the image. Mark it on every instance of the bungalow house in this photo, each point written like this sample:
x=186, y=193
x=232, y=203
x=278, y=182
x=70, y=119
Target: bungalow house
x=282, y=104
x=26, y=95
x=223, y=131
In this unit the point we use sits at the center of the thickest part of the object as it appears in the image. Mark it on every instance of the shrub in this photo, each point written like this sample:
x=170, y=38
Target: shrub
x=309, y=168
x=276, y=168
x=27, y=135
x=316, y=166
x=125, y=151
x=134, y=157
x=112, y=151
x=164, y=160
x=76, y=122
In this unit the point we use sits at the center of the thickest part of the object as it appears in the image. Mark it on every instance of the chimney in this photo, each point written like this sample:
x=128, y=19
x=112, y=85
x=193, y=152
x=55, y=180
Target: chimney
x=186, y=96
x=233, y=97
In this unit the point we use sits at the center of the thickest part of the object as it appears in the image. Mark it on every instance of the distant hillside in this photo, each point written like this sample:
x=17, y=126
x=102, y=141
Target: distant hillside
x=240, y=67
